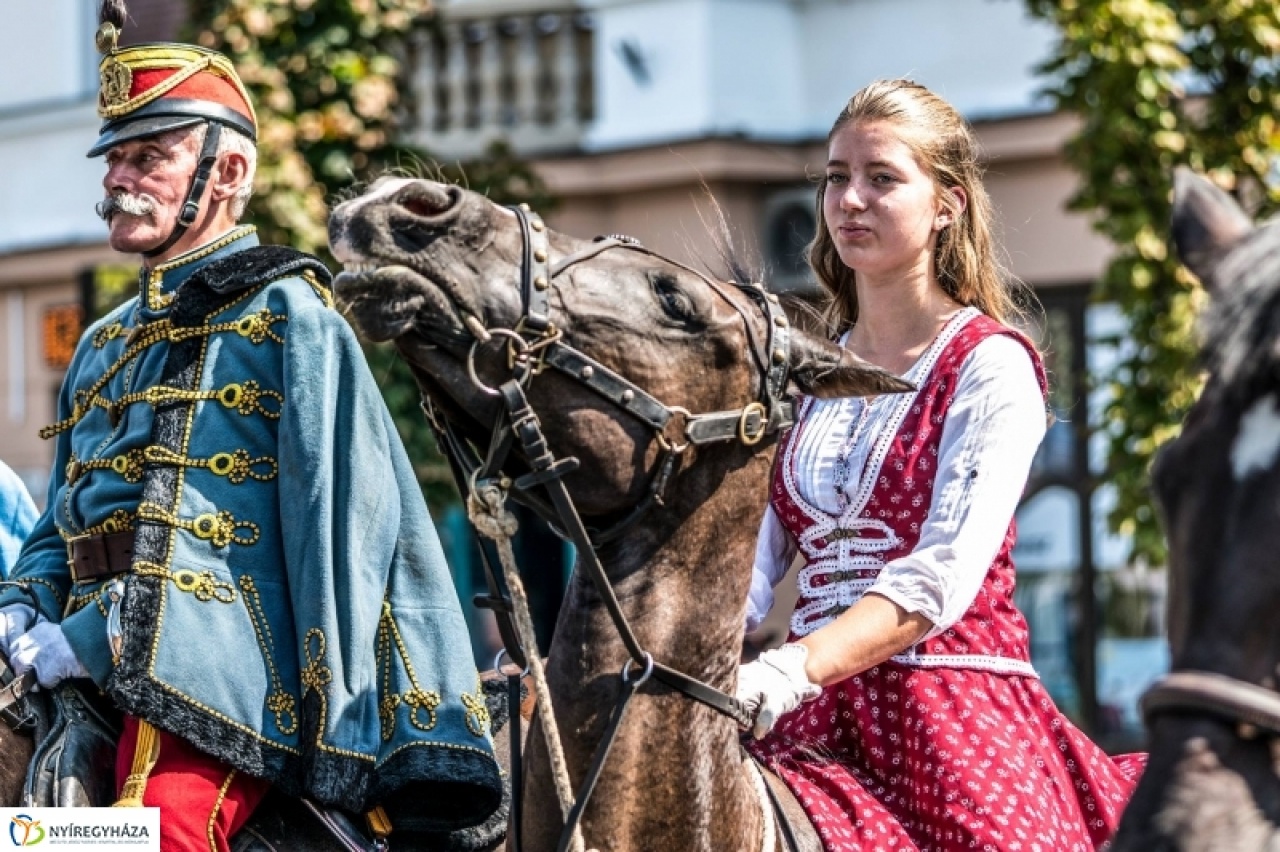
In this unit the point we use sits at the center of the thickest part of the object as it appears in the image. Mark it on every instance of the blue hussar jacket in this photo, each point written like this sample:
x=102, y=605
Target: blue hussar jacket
x=289, y=610
x=17, y=516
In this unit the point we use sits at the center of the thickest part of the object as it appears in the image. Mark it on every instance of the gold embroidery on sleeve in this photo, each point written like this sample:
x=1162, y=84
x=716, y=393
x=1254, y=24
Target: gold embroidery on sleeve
x=478, y=720
x=281, y=704
x=422, y=703
x=316, y=676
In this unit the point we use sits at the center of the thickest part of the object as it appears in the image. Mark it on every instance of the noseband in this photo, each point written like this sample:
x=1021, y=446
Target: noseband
x=534, y=344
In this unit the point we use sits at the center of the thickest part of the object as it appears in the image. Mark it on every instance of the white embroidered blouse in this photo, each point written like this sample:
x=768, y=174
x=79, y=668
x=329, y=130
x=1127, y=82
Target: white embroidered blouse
x=995, y=424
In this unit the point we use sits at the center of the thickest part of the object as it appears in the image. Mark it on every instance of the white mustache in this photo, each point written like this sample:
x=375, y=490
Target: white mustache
x=124, y=202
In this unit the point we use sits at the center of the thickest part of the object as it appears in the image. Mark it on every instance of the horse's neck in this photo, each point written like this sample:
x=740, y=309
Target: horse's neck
x=674, y=777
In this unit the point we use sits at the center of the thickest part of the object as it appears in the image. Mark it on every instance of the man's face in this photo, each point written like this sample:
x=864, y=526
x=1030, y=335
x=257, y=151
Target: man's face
x=156, y=173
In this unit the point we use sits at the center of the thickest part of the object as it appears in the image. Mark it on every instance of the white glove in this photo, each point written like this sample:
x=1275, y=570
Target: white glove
x=774, y=685
x=15, y=619
x=45, y=649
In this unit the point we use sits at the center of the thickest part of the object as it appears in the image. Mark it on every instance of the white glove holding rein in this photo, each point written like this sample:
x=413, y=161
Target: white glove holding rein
x=45, y=649
x=775, y=684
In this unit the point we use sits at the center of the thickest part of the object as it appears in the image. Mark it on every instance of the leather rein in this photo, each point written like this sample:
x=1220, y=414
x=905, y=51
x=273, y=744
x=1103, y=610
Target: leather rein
x=534, y=344
x=1254, y=709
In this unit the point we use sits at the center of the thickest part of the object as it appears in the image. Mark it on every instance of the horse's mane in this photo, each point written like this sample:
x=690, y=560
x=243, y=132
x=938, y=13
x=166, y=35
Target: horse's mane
x=1241, y=328
x=744, y=267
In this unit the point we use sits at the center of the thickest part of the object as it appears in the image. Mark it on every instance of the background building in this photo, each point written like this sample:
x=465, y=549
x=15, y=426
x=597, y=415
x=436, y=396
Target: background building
x=634, y=113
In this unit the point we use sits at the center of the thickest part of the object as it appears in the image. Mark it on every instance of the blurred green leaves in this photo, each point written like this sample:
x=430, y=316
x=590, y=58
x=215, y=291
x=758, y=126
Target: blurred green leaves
x=1158, y=83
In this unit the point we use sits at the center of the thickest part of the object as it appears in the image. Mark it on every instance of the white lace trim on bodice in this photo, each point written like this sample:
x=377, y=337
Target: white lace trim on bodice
x=853, y=543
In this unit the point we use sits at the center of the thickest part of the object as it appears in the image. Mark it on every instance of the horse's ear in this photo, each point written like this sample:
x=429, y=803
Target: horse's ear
x=1206, y=222
x=823, y=369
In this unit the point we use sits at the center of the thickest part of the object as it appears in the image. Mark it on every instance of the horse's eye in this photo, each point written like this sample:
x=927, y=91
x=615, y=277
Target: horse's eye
x=675, y=302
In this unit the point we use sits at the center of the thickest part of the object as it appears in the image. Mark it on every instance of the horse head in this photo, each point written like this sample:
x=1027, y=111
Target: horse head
x=658, y=391
x=1211, y=782
x=438, y=269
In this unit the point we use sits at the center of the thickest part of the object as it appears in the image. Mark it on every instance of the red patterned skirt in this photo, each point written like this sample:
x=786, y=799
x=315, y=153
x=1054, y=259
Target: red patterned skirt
x=945, y=759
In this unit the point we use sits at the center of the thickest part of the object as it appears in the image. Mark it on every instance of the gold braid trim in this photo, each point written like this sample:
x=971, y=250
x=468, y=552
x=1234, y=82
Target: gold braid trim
x=255, y=328
x=145, y=754
x=57, y=594
x=187, y=57
x=219, y=528
x=236, y=466
x=106, y=334
x=204, y=585
x=245, y=398
x=79, y=602
x=112, y=110
x=316, y=677
x=320, y=289
x=419, y=700
x=148, y=335
x=217, y=809
x=477, y=718
x=118, y=521
x=157, y=299
x=281, y=704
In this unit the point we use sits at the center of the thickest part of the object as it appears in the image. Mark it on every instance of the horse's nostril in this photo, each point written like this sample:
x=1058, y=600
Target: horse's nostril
x=425, y=199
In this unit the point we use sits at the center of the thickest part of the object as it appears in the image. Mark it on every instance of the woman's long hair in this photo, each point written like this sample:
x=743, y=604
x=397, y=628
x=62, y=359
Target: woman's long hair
x=965, y=258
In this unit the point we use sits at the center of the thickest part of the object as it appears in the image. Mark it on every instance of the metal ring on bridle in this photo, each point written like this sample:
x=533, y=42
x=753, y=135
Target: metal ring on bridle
x=497, y=662
x=676, y=447
x=648, y=669
x=471, y=356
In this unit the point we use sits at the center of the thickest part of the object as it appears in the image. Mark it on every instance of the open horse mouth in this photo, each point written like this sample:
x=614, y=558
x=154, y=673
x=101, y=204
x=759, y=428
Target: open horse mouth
x=390, y=301
x=395, y=255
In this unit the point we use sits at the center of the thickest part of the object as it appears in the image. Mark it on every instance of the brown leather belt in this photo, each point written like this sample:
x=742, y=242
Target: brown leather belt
x=96, y=557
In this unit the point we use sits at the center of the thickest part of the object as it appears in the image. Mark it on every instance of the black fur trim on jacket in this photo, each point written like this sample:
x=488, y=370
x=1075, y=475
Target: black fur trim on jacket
x=252, y=267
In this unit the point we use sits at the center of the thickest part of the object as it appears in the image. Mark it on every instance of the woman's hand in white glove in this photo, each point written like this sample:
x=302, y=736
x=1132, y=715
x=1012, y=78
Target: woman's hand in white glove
x=45, y=649
x=775, y=684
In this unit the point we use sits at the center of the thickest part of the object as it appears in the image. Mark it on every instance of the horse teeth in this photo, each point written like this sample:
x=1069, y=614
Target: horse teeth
x=360, y=268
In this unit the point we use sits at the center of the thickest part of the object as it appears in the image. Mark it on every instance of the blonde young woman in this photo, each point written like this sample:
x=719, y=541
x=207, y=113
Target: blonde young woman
x=904, y=710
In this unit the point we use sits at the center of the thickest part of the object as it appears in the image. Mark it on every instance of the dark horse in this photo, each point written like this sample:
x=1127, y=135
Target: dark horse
x=1213, y=778
x=632, y=354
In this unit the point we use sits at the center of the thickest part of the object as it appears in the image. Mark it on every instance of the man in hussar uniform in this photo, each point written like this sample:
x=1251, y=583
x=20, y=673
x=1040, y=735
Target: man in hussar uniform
x=235, y=549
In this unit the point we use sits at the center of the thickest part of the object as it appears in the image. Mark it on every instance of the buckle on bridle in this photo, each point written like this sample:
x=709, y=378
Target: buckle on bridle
x=745, y=435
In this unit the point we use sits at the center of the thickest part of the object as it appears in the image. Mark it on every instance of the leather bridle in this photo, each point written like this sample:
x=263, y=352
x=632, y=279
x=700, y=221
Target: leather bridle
x=535, y=343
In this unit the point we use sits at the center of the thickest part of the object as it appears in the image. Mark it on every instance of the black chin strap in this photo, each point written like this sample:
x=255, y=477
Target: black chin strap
x=191, y=207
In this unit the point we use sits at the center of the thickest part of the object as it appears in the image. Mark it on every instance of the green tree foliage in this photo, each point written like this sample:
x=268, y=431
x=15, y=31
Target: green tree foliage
x=1159, y=83
x=326, y=77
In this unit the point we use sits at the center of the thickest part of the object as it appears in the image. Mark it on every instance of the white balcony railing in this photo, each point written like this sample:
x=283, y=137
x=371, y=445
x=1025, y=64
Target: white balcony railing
x=525, y=77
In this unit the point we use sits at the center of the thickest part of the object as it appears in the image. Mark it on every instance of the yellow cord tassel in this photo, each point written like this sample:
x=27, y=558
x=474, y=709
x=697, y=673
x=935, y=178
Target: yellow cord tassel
x=145, y=754
x=379, y=822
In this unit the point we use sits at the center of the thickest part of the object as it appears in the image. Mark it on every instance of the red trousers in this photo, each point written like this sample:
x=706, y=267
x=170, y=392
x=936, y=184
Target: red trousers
x=202, y=801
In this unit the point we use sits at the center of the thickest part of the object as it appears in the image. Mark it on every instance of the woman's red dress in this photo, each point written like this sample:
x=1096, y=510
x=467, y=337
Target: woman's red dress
x=954, y=744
